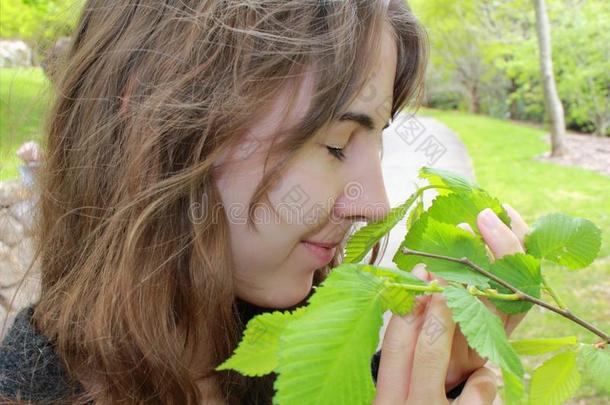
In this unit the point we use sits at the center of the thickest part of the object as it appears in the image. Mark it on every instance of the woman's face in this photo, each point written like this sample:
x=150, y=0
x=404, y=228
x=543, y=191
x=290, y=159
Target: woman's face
x=318, y=196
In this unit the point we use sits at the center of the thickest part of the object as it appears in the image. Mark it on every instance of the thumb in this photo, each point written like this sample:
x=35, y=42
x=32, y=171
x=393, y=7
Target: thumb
x=480, y=388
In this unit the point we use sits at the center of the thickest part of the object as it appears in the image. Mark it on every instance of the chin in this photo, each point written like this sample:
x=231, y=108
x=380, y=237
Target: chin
x=281, y=296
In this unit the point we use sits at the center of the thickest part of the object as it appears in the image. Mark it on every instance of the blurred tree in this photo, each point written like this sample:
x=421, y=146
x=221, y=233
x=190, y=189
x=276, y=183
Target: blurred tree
x=485, y=57
x=552, y=103
x=38, y=22
x=582, y=53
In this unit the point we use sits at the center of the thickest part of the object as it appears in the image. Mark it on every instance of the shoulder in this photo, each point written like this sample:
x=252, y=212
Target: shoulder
x=30, y=369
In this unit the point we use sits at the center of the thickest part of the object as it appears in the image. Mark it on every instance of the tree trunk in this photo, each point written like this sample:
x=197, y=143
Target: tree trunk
x=552, y=103
x=475, y=102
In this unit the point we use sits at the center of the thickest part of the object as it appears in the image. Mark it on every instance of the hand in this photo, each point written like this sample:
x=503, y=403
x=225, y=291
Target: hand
x=413, y=366
x=501, y=241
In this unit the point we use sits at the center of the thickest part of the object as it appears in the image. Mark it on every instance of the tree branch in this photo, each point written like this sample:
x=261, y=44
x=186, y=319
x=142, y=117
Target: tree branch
x=522, y=295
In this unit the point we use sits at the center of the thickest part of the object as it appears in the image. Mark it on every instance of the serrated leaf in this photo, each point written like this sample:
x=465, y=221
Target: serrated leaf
x=431, y=236
x=514, y=391
x=415, y=213
x=597, y=365
x=556, y=380
x=483, y=330
x=324, y=356
x=393, y=298
x=397, y=299
x=365, y=238
x=533, y=347
x=256, y=354
x=440, y=177
x=568, y=241
x=456, y=208
x=396, y=275
x=521, y=271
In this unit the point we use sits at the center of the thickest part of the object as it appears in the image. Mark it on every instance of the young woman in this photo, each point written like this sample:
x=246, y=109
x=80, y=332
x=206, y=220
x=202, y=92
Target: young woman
x=180, y=133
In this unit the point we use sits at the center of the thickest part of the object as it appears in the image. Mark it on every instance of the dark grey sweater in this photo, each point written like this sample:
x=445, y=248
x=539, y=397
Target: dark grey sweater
x=30, y=369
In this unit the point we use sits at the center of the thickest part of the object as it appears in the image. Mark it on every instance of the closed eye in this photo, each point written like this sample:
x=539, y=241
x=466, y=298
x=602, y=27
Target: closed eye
x=336, y=152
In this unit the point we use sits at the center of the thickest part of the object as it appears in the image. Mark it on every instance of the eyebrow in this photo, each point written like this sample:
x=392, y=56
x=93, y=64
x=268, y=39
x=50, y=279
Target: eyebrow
x=362, y=119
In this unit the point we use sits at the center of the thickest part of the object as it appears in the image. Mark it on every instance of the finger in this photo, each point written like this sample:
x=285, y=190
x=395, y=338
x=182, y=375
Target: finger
x=396, y=362
x=512, y=321
x=419, y=271
x=517, y=224
x=464, y=360
x=500, y=239
x=480, y=388
x=432, y=353
x=465, y=226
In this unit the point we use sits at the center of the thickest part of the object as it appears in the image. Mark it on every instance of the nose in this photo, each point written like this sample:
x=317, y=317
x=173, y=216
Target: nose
x=364, y=196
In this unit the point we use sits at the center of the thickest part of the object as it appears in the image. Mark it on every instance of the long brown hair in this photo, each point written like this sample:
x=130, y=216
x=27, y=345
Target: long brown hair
x=150, y=95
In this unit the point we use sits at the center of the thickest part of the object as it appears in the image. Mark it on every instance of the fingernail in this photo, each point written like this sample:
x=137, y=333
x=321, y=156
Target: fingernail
x=465, y=226
x=420, y=272
x=489, y=219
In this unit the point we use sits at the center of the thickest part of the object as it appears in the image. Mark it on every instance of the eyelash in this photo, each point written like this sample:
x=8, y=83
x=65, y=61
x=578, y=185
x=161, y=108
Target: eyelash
x=336, y=152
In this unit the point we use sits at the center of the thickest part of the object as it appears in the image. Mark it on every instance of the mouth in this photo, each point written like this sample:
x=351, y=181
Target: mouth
x=322, y=251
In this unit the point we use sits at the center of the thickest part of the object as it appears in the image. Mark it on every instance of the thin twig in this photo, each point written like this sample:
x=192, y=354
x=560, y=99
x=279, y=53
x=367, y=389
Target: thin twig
x=524, y=296
x=553, y=294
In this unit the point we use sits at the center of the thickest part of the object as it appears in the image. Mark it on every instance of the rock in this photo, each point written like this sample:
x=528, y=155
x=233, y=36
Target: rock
x=23, y=212
x=10, y=270
x=11, y=192
x=23, y=252
x=11, y=231
x=15, y=53
x=4, y=250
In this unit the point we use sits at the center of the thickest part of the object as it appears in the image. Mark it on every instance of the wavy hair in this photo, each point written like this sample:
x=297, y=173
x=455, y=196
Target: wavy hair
x=150, y=95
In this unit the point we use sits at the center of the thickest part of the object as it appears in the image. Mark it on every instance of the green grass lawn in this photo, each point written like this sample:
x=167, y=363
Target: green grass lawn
x=23, y=102
x=503, y=155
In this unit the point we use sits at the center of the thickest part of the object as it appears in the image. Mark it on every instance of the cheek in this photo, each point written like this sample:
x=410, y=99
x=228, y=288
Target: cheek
x=305, y=195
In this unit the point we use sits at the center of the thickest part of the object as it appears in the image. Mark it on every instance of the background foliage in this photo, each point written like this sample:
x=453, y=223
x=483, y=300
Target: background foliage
x=485, y=58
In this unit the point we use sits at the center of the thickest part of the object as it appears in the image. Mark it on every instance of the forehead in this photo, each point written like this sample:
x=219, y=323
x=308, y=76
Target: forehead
x=374, y=98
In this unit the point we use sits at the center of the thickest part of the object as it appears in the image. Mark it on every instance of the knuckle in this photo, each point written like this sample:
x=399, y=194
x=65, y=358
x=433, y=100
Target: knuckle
x=484, y=383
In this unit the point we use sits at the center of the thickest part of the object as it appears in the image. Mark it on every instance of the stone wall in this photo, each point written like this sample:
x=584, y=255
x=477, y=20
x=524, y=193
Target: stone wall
x=17, y=289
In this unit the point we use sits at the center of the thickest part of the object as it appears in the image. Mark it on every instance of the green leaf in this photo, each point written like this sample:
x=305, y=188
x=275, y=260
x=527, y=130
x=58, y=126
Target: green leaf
x=483, y=330
x=514, y=391
x=456, y=208
x=440, y=177
x=325, y=355
x=396, y=275
x=256, y=354
x=397, y=300
x=431, y=236
x=532, y=347
x=597, y=362
x=365, y=238
x=556, y=380
x=415, y=213
x=521, y=271
x=568, y=241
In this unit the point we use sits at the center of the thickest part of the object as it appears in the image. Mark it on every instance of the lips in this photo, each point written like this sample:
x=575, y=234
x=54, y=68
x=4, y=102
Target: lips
x=322, y=252
x=327, y=245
